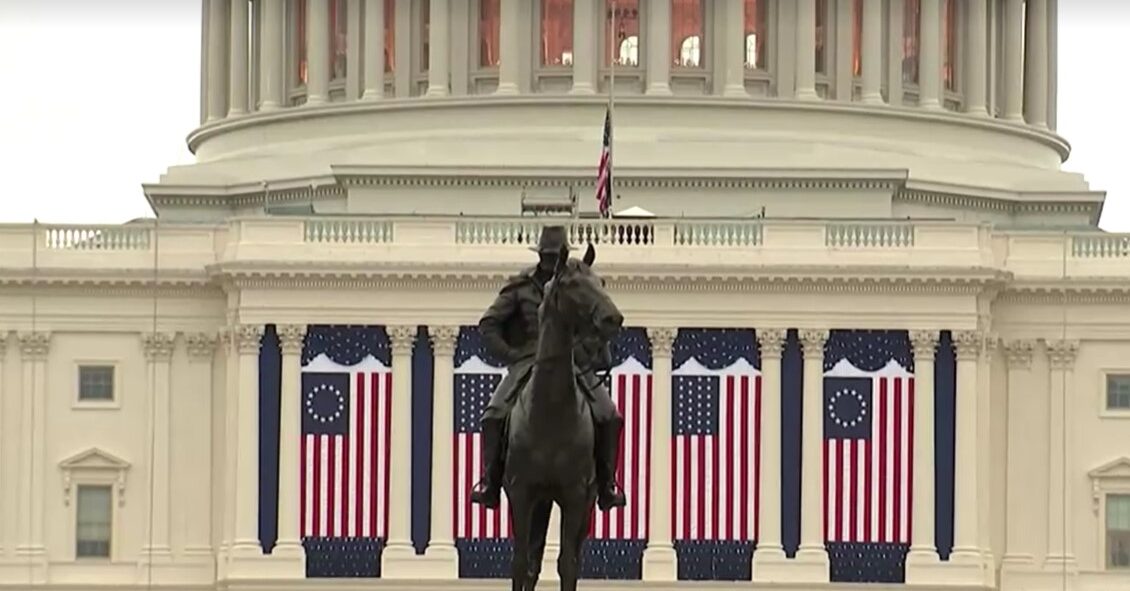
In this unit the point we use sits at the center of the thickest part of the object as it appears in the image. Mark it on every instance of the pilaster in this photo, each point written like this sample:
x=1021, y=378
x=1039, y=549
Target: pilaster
x=922, y=560
x=34, y=349
x=658, y=47
x=158, y=349
x=196, y=510
x=510, y=47
x=374, y=43
x=584, y=47
x=985, y=459
x=1019, y=553
x=770, y=554
x=734, y=45
x=246, y=549
x=806, y=50
x=238, y=70
x=440, y=555
x=439, y=26
x=659, y=560
x=289, y=550
x=399, y=554
x=872, y=52
x=1060, y=555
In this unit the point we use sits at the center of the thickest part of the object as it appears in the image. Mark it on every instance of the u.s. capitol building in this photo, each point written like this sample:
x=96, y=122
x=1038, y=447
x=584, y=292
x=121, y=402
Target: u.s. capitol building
x=873, y=334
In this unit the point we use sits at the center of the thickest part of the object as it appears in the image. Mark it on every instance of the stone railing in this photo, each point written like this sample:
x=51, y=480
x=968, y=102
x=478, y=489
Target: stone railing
x=734, y=244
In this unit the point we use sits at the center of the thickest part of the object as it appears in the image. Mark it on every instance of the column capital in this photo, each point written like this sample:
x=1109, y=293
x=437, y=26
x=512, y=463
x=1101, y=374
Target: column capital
x=401, y=337
x=662, y=340
x=1062, y=353
x=158, y=346
x=291, y=337
x=34, y=345
x=924, y=343
x=967, y=344
x=812, y=341
x=1019, y=353
x=443, y=339
x=3, y=343
x=200, y=345
x=772, y=341
x=248, y=337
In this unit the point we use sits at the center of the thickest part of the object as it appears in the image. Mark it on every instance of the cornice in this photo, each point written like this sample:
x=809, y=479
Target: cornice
x=1072, y=291
x=122, y=282
x=1010, y=204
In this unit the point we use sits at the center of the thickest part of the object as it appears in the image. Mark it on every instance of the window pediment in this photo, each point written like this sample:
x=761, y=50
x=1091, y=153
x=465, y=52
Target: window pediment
x=94, y=466
x=1113, y=476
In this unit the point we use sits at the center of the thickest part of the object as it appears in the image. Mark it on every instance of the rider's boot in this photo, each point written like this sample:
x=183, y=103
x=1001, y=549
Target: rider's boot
x=488, y=491
x=608, y=493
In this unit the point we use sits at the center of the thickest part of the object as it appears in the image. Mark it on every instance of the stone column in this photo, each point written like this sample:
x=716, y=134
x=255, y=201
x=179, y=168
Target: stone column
x=659, y=561
x=219, y=34
x=272, y=55
x=769, y=550
x=784, y=44
x=806, y=51
x=734, y=42
x=439, y=25
x=930, y=52
x=1018, y=547
x=226, y=508
x=966, y=550
x=158, y=348
x=585, y=56
x=895, y=11
x=985, y=460
x=198, y=509
x=923, y=553
x=34, y=348
x=976, y=54
x=1036, y=64
x=245, y=544
x=510, y=46
x=398, y=552
x=1014, y=60
x=812, y=557
x=657, y=48
x=1053, y=62
x=402, y=48
x=317, y=52
x=872, y=52
x=1060, y=555
x=441, y=546
x=289, y=544
x=237, y=102
x=374, y=44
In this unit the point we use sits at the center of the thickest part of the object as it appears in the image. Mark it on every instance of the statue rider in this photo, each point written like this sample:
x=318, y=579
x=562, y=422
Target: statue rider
x=509, y=330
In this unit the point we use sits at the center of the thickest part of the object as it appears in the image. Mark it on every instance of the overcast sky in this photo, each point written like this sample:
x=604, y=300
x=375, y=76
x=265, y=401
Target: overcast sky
x=98, y=95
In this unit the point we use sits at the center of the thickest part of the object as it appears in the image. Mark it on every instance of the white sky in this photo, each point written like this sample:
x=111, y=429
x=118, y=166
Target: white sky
x=98, y=96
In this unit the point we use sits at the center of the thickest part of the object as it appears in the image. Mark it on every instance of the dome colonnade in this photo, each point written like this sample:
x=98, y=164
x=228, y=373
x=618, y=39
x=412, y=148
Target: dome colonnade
x=961, y=55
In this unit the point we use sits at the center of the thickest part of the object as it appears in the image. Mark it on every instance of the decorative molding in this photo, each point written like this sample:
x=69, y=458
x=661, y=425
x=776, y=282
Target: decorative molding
x=158, y=346
x=443, y=339
x=401, y=337
x=248, y=338
x=291, y=338
x=967, y=344
x=3, y=344
x=812, y=341
x=662, y=341
x=34, y=346
x=1062, y=354
x=201, y=346
x=1018, y=352
x=94, y=466
x=771, y=342
x=1113, y=476
x=925, y=344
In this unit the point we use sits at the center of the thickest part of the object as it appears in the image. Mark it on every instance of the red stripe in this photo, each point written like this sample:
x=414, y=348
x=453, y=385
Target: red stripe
x=318, y=470
x=688, y=475
x=884, y=410
x=747, y=532
x=910, y=459
x=386, y=426
x=646, y=534
x=896, y=469
x=867, y=484
x=374, y=484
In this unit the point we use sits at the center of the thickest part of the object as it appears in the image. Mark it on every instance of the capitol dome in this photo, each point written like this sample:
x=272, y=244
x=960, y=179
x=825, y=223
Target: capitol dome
x=872, y=108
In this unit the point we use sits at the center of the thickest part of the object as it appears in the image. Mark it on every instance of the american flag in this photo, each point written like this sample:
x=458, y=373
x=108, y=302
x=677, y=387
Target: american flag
x=475, y=381
x=716, y=449
x=346, y=411
x=868, y=454
x=604, y=171
x=631, y=392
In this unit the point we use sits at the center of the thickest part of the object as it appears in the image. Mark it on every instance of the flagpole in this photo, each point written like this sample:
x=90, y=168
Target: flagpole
x=614, y=51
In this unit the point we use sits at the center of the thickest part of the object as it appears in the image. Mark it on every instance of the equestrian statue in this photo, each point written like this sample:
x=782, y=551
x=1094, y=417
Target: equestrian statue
x=551, y=432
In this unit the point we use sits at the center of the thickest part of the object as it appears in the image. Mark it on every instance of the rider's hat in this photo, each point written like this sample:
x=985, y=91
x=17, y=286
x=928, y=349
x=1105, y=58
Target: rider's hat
x=551, y=240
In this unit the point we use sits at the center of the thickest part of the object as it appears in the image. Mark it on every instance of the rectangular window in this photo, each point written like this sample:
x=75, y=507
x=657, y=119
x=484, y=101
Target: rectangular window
x=623, y=43
x=756, y=16
x=390, y=36
x=425, y=34
x=96, y=383
x=300, y=41
x=339, y=41
x=910, y=41
x=556, y=33
x=489, y=22
x=857, y=38
x=949, y=39
x=1118, y=392
x=93, y=512
x=1118, y=531
x=688, y=39
x=821, y=36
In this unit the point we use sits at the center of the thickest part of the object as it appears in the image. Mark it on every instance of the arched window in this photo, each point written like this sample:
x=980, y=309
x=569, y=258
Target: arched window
x=425, y=34
x=949, y=22
x=629, y=51
x=626, y=38
x=822, y=36
x=690, y=50
x=756, y=16
x=489, y=22
x=390, y=35
x=556, y=32
x=300, y=41
x=857, y=38
x=910, y=41
x=339, y=38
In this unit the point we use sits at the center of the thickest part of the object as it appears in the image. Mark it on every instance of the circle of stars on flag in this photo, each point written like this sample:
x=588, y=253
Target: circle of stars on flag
x=861, y=408
x=336, y=405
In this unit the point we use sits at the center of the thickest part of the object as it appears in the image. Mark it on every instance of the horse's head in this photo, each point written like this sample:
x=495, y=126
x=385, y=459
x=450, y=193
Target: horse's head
x=576, y=295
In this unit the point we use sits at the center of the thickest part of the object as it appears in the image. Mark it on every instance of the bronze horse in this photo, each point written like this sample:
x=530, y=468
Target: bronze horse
x=550, y=439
